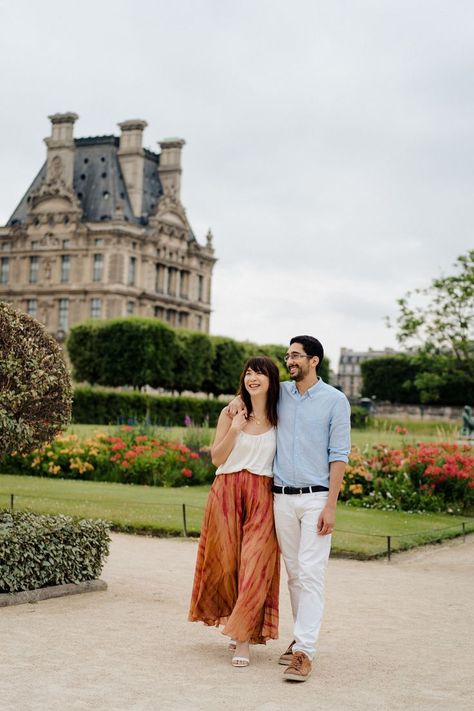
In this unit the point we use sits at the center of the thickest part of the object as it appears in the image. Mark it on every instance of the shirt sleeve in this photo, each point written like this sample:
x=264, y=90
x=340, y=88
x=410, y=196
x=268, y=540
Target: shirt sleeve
x=340, y=432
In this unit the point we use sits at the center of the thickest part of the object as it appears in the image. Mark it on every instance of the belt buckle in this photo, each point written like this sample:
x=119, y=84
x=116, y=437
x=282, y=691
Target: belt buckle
x=301, y=490
x=283, y=489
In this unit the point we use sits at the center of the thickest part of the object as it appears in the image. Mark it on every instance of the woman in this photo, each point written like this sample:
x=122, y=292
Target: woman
x=236, y=580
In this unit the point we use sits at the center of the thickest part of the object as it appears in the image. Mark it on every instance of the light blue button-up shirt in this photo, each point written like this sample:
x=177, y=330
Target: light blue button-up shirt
x=313, y=431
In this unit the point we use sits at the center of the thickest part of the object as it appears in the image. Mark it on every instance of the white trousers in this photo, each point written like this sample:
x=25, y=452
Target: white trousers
x=306, y=557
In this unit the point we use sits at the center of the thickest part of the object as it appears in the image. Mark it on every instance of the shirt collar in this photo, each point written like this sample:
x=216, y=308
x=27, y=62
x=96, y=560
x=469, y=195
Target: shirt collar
x=311, y=392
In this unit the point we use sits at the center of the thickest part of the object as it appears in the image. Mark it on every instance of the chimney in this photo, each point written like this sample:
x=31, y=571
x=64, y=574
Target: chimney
x=131, y=158
x=60, y=161
x=170, y=167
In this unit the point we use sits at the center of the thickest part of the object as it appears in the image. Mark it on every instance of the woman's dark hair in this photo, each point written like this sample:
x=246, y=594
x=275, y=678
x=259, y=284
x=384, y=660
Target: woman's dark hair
x=264, y=365
x=311, y=346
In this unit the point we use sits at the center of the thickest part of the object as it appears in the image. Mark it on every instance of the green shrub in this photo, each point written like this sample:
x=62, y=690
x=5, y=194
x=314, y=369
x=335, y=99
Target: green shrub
x=35, y=387
x=37, y=551
x=104, y=407
x=359, y=417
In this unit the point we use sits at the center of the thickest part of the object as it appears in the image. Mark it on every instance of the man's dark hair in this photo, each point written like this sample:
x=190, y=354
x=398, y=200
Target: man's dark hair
x=312, y=347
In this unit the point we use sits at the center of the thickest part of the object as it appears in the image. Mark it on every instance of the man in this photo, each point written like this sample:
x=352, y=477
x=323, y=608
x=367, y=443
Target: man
x=313, y=444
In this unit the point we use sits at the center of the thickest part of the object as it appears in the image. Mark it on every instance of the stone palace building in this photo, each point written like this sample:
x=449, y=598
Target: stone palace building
x=102, y=233
x=349, y=376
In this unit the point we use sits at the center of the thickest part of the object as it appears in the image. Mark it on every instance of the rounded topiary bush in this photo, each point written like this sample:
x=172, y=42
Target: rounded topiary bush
x=35, y=386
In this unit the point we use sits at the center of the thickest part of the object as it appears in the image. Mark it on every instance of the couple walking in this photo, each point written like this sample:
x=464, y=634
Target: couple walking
x=280, y=452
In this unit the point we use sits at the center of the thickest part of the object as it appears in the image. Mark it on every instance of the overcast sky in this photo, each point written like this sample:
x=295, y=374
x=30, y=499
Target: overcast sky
x=329, y=145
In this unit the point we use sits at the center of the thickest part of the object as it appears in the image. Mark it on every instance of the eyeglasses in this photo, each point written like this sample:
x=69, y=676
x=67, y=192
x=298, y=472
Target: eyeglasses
x=295, y=356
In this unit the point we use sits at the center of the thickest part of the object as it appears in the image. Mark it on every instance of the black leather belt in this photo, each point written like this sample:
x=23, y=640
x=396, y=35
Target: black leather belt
x=293, y=490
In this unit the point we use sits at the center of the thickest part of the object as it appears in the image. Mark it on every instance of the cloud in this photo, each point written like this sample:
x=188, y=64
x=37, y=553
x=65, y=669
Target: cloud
x=329, y=145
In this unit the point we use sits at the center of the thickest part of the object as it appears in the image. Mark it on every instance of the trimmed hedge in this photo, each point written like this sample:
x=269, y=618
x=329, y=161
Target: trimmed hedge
x=104, y=407
x=37, y=551
x=112, y=407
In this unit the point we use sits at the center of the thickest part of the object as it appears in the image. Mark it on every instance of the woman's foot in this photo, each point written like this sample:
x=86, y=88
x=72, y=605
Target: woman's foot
x=241, y=657
x=232, y=645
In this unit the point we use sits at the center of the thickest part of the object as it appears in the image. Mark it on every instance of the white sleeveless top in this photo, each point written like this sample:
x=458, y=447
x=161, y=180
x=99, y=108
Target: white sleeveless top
x=252, y=452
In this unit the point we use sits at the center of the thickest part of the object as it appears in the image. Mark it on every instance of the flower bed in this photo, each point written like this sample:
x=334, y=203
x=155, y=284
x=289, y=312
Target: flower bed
x=129, y=457
x=422, y=477
x=419, y=477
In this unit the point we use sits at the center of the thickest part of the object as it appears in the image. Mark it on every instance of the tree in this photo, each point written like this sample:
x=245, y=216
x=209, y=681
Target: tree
x=390, y=378
x=124, y=351
x=35, y=386
x=229, y=357
x=438, y=322
x=82, y=348
x=193, y=361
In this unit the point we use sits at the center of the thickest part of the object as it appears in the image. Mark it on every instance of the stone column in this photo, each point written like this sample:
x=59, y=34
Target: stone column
x=170, y=167
x=60, y=161
x=132, y=161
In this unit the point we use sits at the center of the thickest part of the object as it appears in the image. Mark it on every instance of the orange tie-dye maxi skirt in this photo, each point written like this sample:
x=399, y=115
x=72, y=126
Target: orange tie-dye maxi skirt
x=236, y=581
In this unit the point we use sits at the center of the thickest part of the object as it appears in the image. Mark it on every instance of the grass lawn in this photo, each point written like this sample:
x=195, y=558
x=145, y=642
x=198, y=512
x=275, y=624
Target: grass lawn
x=359, y=532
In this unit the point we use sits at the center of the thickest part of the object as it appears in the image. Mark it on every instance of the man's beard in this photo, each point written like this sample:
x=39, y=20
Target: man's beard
x=297, y=375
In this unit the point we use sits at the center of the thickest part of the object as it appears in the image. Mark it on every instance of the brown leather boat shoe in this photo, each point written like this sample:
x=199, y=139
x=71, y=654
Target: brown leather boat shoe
x=299, y=668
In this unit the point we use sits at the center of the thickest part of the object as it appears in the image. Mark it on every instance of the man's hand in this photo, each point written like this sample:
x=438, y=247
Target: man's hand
x=235, y=406
x=326, y=521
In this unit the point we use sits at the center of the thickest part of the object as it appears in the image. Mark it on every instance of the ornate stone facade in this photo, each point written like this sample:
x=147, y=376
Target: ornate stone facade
x=102, y=233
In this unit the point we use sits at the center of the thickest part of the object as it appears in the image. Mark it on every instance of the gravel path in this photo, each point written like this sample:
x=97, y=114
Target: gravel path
x=395, y=636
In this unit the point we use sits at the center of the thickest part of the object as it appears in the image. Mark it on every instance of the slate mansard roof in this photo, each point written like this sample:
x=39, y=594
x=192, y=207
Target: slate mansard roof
x=99, y=184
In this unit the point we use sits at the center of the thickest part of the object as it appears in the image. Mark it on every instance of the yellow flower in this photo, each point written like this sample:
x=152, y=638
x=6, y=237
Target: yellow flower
x=66, y=438
x=77, y=464
x=356, y=488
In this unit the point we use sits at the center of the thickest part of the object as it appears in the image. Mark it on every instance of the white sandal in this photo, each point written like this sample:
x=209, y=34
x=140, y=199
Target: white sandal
x=240, y=661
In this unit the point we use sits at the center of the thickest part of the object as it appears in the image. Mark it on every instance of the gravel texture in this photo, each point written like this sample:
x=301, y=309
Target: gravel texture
x=395, y=636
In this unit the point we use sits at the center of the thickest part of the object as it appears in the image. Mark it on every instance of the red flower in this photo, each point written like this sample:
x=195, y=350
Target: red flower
x=186, y=472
